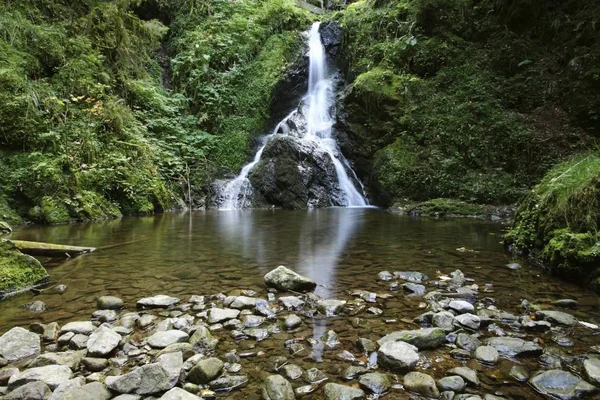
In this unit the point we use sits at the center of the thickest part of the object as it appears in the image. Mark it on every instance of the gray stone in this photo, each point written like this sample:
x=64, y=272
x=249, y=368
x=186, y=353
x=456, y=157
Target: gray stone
x=129, y=397
x=241, y=302
x=102, y=342
x=514, y=347
x=426, y=338
x=172, y=363
x=385, y=276
x=453, y=383
x=314, y=375
x=91, y=391
x=109, y=303
x=51, y=375
x=31, y=391
x=35, y=306
x=561, y=385
x=282, y=278
x=557, y=317
x=375, y=382
x=292, y=371
x=51, y=332
x=467, y=342
x=217, y=315
x=94, y=364
x=461, y=306
x=330, y=307
x=179, y=394
x=467, y=321
x=19, y=344
x=411, y=276
x=398, y=356
x=291, y=303
x=160, y=340
x=519, y=373
x=79, y=327
x=414, y=288
x=64, y=388
x=257, y=334
x=421, y=383
x=252, y=321
x=69, y=359
x=105, y=315
x=186, y=349
x=292, y=321
x=147, y=379
x=335, y=391
x=591, y=366
x=78, y=342
x=466, y=373
x=6, y=373
x=276, y=387
x=205, y=371
x=354, y=371
x=228, y=383
x=160, y=301
x=443, y=320
x=366, y=345
x=145, y=320
x=203, y=339
x=486, y=354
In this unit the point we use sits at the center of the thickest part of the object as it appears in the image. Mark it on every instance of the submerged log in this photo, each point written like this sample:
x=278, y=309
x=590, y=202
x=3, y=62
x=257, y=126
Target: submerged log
x=49, y=249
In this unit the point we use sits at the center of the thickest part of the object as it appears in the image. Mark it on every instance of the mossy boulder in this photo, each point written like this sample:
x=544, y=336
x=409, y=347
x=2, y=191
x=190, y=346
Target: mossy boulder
x=7, y=214
x=50, y=211
x=18, y=271
x=557, y=223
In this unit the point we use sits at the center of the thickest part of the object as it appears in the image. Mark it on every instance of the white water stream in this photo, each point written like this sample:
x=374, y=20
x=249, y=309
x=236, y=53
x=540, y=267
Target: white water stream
x=319, y=121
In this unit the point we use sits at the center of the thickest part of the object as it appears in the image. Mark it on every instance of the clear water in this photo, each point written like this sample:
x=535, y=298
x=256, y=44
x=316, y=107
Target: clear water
x=341, y=248
x=316, y=113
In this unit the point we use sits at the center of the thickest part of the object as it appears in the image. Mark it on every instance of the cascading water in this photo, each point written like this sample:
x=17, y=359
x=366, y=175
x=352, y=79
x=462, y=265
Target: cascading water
x=313, y=124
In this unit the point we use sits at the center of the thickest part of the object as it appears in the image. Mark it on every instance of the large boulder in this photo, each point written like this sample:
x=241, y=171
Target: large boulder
x=514, y=347
x=283, y=278
x=278, y=388
x=147, y=379
x=51, y=375
x=398, y=356
x=19, y=344
x=294, y=173
x=19, y=271
x=426, y=338
x=561, y=385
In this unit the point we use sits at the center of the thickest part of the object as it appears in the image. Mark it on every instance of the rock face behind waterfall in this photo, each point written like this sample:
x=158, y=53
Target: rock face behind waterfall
x=296, y=174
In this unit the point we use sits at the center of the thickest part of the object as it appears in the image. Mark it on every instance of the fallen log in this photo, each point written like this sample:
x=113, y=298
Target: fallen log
x=49, y=249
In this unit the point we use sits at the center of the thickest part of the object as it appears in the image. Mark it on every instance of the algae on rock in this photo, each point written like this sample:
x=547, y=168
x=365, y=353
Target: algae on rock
x=18, y=271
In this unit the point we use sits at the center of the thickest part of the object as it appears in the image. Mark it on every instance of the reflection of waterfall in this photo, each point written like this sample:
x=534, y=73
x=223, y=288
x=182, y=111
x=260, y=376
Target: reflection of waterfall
x=312, y=124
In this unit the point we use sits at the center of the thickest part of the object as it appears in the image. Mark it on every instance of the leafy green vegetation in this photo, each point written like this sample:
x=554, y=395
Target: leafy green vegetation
x=111, y=107
x=466, y=99
x=558, y=221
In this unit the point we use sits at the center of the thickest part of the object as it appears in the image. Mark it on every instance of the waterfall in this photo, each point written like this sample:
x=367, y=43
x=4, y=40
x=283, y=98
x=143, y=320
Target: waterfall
x=315, y=109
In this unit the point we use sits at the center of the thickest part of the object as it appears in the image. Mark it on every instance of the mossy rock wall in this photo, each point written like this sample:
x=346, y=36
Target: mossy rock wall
x=18, y=271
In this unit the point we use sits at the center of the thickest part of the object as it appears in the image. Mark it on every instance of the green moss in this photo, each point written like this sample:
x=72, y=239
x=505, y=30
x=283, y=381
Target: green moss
x=50, y=211
x=441, y=207
x=558, y=221
x=8, y=214
x=18, y=271
x=92, y=206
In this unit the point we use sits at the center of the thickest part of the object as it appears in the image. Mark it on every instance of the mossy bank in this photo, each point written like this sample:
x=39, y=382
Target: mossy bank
x=18, y=271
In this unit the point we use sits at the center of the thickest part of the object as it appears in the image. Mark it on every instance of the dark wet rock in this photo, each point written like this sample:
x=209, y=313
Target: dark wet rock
x=460, y=354
x=335, y=391
x=292, y=303
x=292, y=321
x=147, y=379
x=31, y=391
x=535, y=325
x=551, y=361
x=467, y=342
x=519, y=373
x=561, y=385
x=205, y=371
x=314, y=375
x=375, y=382
x=160, y=340
x=591, y=366
x=69, y=359
x=276, y=387
x=366, y=345
x=292, y=371
x=557, y=317
x=414, y=288
x=466, y=373
x=330, y=307
x=79, y=327
x=398, y=356
x=385, y=276
x=563, y=340
x=425, y=338
x=514, y=347
x=421, y=383
x=453, y=383
x=179, y=394
x=94, y=364
x=443, y=320
x=160, y=301
x=229, y=382
x=467, y=321
x=486, y=354
x=35, y=306
x=566, y=303
x=217, y=315
x=461, y=306
x=283, y=278
x=411, y=276
x=109, y=303
x=51, y=375
x=354, y=371
x=19, y=344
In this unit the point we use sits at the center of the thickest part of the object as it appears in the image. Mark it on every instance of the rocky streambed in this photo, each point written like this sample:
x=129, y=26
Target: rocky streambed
x=286, y=342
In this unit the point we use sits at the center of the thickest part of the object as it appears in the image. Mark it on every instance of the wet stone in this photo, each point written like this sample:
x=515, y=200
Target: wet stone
x=109, y=303
x=160, y=301
x=292, y=371
x=161, y=340
x=366, y=345
x=105, y=315
x=519, y=373
x=252, y=321
x=467, y=342
x=283, y=278
x=460, y=354
x=486, y=354
x=425, y=338
x=35, y=306
x=411, y=276
x=256, y=333
x=330, y=307
x=353, y=372
x=566, y=303
x=453, y=383
x=277, y=387
x=591, y=367
x=335, y=391
x=314, y=375
x=375, y=382
x=385, y=276
x=291, y=303
x=240, y=302
x=421, y=383
x=467, y=321
x=562, y=385
x=229, y=382
x=557, y=317
x=398, y=356
x=205, y=371
x=461, y=306
x=414, y=288
x=292, y=321
x=466, y=373
x=514, y=347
